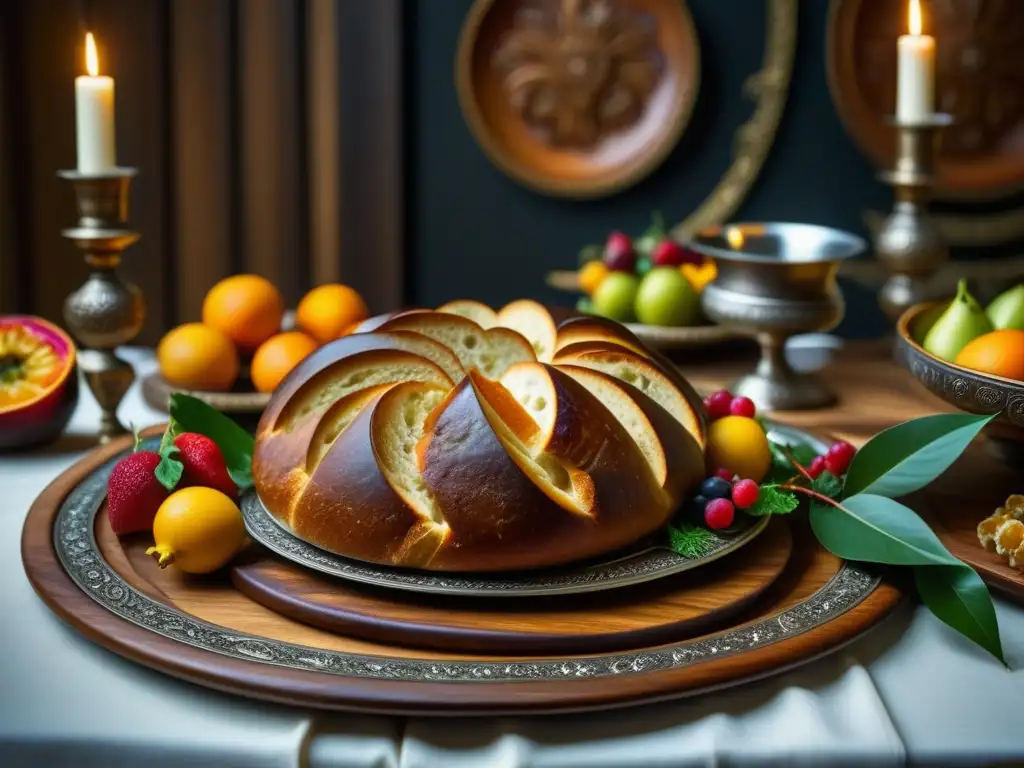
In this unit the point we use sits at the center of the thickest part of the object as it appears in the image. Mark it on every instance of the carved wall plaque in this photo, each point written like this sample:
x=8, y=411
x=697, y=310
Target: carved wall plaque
x=580, y=69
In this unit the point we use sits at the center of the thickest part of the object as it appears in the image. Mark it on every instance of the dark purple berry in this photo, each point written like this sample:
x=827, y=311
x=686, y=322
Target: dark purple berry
x=715, y=488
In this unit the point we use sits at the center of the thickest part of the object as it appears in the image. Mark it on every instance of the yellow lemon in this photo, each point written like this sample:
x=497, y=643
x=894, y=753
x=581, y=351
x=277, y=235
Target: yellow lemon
x=740, y=445
x=198, y=529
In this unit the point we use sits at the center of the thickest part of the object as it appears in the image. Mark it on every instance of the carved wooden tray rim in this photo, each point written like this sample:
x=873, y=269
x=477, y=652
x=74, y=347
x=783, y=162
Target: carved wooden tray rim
x=73, y=578
x=641, y=163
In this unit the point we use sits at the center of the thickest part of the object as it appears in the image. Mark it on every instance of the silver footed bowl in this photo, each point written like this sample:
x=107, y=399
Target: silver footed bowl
x=776, y=280
x=963, y=388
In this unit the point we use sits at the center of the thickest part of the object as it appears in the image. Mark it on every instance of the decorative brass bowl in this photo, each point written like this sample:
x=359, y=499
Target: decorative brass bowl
x=970, y=391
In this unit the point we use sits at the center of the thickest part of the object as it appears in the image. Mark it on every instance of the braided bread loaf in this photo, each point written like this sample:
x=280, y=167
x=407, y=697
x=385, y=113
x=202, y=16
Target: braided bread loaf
x=465, y=439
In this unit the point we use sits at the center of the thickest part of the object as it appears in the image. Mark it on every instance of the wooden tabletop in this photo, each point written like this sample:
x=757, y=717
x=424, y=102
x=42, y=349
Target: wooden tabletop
x=874, y=392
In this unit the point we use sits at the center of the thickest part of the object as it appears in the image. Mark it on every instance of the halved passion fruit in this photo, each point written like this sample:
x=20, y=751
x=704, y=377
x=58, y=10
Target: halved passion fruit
x=38, y=385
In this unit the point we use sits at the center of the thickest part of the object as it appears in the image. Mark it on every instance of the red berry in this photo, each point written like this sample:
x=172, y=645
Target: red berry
x=742, y=406
x=668, y=253
x=817, y=466
x=619, y=255
x=833, y=465
x=133, y=493
x=724, y=473
x=717, y=404
x=203, y=464
x=744, y=493
x=719, y=513
x=839, y=456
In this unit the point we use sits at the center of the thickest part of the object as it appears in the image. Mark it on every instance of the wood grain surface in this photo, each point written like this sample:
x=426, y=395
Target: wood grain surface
x=954, y=505
x=876, y=395
x=649, y=614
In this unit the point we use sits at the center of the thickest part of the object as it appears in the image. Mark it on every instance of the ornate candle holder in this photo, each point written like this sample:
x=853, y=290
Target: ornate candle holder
x=909, y=244
x=774, y=281
x=105, y=312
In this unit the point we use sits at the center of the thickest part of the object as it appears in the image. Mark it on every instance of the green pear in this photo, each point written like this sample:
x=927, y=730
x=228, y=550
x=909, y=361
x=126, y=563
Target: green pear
x=1007, y=309
x=924, y=321
x=963, y=320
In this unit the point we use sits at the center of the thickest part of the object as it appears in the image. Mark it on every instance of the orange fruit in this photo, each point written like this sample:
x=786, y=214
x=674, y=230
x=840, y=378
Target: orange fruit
x=328, y=310
x=277, y=356
x=196, y=356
x=248, y=308
x=1000, y=353
x=591, y=275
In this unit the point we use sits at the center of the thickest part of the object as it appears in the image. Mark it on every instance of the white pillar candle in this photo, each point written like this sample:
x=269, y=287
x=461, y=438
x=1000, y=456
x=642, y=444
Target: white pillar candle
x=94, y=115
x=915, y=92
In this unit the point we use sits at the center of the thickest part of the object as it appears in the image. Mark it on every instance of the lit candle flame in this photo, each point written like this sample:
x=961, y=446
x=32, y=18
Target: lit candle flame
x=92, y=59
x=734, y=236
x=915, y=17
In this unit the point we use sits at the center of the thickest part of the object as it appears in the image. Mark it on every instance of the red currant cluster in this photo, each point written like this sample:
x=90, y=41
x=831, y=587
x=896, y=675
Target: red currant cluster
x=722, y=403
x=836, y=460
x=720, y=496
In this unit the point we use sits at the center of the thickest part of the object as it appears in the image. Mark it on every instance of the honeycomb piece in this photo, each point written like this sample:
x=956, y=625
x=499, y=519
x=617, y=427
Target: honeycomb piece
x=1016, y=559
x=1009, y=537
x=1014, y=507
x=988, y=528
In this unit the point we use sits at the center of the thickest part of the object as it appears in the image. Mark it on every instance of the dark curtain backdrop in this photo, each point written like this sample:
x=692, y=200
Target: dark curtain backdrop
x=231, y=110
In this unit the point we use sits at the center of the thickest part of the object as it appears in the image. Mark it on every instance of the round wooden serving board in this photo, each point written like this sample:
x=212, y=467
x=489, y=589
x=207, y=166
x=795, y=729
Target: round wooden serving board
x=204, y=630
x=662, y=611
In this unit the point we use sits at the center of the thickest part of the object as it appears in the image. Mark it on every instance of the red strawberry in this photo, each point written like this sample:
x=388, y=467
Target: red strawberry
x=203, y=464
x=133, y=493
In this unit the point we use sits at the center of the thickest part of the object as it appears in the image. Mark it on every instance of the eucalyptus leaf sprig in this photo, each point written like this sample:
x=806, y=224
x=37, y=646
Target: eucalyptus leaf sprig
x=857, y=517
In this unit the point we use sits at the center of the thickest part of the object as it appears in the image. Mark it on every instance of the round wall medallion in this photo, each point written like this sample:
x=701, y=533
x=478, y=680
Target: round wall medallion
x=578, y=98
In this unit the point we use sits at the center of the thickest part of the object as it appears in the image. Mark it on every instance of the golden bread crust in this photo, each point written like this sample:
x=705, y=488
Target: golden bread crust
x=393, y=446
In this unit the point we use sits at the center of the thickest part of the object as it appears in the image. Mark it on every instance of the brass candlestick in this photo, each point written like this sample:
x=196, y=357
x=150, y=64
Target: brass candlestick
x=105, y=312
x=909, y=243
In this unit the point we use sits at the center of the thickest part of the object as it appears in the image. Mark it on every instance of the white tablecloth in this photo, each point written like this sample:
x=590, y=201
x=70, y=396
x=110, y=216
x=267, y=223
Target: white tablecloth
x=908, y=691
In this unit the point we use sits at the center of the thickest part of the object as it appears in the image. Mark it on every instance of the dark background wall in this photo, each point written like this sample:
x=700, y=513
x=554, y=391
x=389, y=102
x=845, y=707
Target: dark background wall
x=475, y=232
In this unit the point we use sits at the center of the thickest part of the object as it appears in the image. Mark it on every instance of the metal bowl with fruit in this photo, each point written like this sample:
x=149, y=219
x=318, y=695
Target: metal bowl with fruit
x=973, y=358
x=651, y=284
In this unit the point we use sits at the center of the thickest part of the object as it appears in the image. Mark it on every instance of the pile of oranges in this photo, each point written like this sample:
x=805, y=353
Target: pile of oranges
x=242, y=317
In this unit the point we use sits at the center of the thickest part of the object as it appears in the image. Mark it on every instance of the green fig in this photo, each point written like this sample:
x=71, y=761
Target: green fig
x=1007, y=309
x=963, y=321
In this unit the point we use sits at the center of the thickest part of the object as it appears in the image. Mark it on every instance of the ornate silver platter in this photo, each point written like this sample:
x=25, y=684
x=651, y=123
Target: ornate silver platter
x=647, y=562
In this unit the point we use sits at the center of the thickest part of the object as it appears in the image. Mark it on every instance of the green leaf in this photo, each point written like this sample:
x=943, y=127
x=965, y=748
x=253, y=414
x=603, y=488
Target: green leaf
x=958, y=597
x=876, y=529
x=827, y=485
x=905, y=458
x=772, y=501
x=193, y=415
x=782, y=463
x=168, y=472
x=241, y=477
x=689, y=541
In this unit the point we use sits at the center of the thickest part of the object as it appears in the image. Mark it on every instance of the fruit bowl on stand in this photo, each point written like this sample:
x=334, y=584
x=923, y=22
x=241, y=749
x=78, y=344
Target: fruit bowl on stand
x=650, y=284
x=969, y=390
